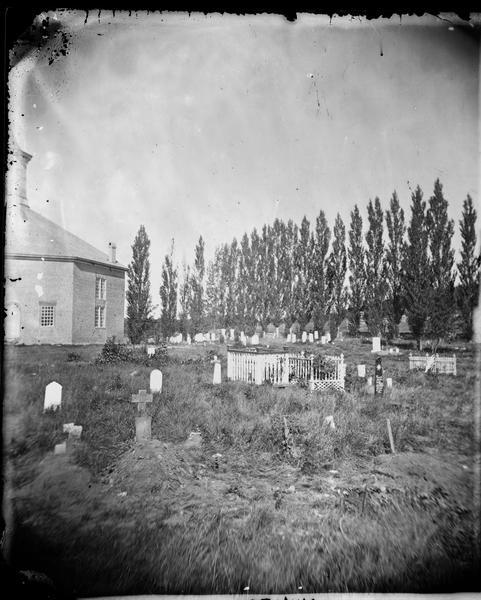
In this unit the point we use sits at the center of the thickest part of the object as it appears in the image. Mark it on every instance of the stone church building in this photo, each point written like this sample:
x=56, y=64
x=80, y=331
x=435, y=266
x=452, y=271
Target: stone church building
x=58, y=288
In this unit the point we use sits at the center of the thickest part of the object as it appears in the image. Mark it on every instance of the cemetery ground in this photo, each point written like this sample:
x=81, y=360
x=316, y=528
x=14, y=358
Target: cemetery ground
x=272, y=499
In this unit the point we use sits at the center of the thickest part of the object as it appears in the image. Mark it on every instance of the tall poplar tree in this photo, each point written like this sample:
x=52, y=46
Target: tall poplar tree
x=416, y=268
x=336, y=274
x=319, y=289
x=394, y=263
x=139, y=303
x=357, y=277
x=197, y=286
x=375, y=300
x=168, y=294
x=185, y=298
x=468, y=268
x=441, y=321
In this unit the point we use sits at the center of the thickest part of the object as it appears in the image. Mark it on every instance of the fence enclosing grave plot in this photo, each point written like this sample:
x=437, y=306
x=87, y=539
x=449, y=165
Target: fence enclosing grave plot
x=282, y=368
x=434, y=363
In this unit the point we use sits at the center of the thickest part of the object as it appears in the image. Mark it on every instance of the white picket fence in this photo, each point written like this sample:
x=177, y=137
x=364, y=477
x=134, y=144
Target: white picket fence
x=434, y=363
x=283, y=368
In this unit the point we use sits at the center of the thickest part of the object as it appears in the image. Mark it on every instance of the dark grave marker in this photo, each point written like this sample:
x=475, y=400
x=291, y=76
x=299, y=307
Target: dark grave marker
x=378, y=377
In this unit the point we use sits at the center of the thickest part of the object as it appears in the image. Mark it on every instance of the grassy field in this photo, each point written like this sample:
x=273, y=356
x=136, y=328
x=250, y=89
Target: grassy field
x=319, y=510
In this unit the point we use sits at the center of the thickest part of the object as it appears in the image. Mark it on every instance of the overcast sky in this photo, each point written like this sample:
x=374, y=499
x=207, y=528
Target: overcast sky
x=213, y=125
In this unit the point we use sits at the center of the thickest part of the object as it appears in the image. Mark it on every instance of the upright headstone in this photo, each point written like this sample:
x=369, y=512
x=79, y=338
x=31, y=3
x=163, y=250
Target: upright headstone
x=143, y=428
x=288, y=339
x=60, y=448
x=293, y=338
x=378, y=377
x=150, y=350
x=75, y=433
x=323, y=339
x=276, y=334
x=199, y=337
x=389, y=382
x=361, y=370
x=316, y=335
x=255, y=339
x=53, y=396
x=217, y=372
x=369, y=381
x=189, y=339
x=304, y=337
x=376, y=344
x=311, y=338
x=156, y=381
x=328, y=337
x=222, y=332
x=232, y=333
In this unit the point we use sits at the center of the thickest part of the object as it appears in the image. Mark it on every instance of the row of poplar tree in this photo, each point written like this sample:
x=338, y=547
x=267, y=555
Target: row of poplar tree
x=312, y=275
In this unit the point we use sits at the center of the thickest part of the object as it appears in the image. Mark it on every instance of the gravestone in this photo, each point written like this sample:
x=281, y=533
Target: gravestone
x=376, y=344
x=143, y=428
x=212, y=336
x=378, y=377
x=60, y=448
x=289, y=337
x=194, y=440
x=311, y=338
x=232, y=333
x=156, y=381
x=276, y=335
x=255, y=339
x=304, y=337
x=199, y=337
x=369, y=381
x=389, y=382
x=142, y=399
x=293, y=338
x=67, y=427
x=328, y=337
x=150, y=351
x=75, y=432
x=222, y=332
x=361, y=370
x=189, y=339
x=217, y=372
x=316, y=335
x=330, y=421
x=323, y=339
x=53, y=396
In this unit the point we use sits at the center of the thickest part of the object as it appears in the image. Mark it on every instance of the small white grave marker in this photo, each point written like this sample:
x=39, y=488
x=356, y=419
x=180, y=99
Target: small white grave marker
x=53, y=396
x=217, y=372
x=293, y=338
x=330, y=421
x=389, y=382
x=255, y=339
x=156, y=381
x=189, y=339
x=304, y=337
x=150, y=351
x=60, y=448
x=361, y=370
x=369, y=381
x=376, y=344
x=328, y=337
x=323, y=339
x=316, y=335
x=67, y=427
x=232, y=333
x=75, y=432
x=311, y=338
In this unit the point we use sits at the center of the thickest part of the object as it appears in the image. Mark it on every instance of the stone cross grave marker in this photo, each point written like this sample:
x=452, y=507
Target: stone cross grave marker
x=141, y=399
x=376, y=344
x=156, y=381
x=378, y=377
x=53, y=396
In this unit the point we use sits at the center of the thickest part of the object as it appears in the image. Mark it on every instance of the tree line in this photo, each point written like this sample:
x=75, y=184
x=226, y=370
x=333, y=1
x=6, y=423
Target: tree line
x=380, y=269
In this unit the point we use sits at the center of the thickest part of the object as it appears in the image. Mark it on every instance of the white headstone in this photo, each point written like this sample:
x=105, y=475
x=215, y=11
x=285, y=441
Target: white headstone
x=293, y=338
x=323, y=339
x=67, y=427
x=53, y=396
x=276, y=334
x=389, y=382
x=328, y=337
x=150, y=351
x=232, y=333
x=243, y=340
x=199, y=337
x=217, y=373
x=330, y=421
x=255, y=339
x=316, y=335
x=212, y=336
x=304, y=337
x=75, y=433
x=60, y=448
x=311, y=338
x=289, y=337
x=222, y=332
x=156, y=381
x=376, y=344
x=189, y=339
x=369, y=381
x=361, y=370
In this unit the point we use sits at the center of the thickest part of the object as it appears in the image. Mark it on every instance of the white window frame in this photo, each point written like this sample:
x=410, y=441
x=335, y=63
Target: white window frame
x=100, y=288
x=47, y=320
x=100, y=317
